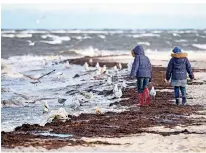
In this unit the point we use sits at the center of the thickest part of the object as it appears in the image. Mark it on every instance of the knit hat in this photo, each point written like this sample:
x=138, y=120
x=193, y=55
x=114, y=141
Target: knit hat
x=177, y=50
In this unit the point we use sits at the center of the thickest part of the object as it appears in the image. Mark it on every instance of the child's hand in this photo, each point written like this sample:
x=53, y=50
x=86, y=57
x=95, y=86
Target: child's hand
x=132, y=77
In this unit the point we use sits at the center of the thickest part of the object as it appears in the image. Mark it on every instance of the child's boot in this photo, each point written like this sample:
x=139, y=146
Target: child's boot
x=184, y=100
x=146, y=96
x=177, y=101
x=140, y=95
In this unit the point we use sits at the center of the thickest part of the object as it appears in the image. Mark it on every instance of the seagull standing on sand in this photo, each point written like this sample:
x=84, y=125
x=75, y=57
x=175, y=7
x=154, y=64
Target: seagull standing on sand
x=59, y=74
x=153, y=92
x=86, y=66
x=120, y=66
x=118, y=93
x=104, y=68
x=115, y=89
x=31, y=43
x=124, y=85
x=90, y=60
x=61, y=100
x=115, y=68
x=129, y=66
x=67, y=65
x=45, y=62
x=97, y=65
x=75, y=102
x=109, y=80
x=46, y=107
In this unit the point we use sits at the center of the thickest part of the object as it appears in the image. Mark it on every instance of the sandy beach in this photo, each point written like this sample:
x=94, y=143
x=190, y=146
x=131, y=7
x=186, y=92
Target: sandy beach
x=160, y=127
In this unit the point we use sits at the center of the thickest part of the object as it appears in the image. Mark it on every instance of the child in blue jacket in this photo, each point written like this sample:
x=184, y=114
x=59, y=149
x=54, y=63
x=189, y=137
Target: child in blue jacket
x=142, y=70
x=177, y=70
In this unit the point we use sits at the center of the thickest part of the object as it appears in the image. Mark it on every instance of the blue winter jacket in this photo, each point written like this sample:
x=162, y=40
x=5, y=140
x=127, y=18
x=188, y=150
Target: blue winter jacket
x=178, y=67
x=141, y=67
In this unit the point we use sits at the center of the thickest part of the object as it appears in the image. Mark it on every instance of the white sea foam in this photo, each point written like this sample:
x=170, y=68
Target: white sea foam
x=144, y=35
x=8, y=35
x=101, y=36
x=143, y=43
x=181, y=40
x=8, y=31
x=200, y=46
x=56, y=39
x=24, y=35
x=176, y=35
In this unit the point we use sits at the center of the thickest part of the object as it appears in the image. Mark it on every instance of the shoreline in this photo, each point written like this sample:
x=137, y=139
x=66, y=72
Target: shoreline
x=111, y=125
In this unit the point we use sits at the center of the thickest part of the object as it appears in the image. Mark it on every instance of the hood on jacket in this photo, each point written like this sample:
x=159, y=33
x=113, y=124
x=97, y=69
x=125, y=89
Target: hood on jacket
x=179, y=55
x=138, y=50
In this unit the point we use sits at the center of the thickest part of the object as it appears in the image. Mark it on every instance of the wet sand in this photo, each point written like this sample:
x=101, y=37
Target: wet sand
x=161, y=112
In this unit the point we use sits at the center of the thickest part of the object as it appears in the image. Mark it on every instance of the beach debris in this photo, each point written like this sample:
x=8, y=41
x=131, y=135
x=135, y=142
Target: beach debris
x=153, y=92
x=36, y=80
x=98, y=111
x=61, y=100
x=60, y=114
x=46, y=107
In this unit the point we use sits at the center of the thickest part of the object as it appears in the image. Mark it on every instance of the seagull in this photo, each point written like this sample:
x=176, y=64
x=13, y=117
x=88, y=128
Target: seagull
x=124, y=85
x=38, y=20
x=36, y=80
x=118, y=93
x=60, y=74
x=153, y=92
x=75, y=102
x=88, y=95
x=106, y=72
x=61, y=100
x=115, y=89
x=45, y=62
x=98, y=71
x=31, y=43
x=46, y=107
x=97, y=65
x=86, y=66
x=120, y=66
x=129, y=66
x=90, y=60
x=67, y=65
x=115, y=68
x=109, y=80
x=104, y=68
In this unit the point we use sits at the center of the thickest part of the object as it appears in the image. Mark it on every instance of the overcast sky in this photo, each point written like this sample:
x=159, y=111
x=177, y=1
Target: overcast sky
x=101, y=15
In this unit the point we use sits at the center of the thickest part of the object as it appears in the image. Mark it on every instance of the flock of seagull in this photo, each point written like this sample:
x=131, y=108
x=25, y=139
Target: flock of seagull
x=96, y=73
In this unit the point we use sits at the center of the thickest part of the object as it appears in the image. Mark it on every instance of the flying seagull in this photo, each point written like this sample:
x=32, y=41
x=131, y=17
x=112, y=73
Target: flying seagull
x=36, y=80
